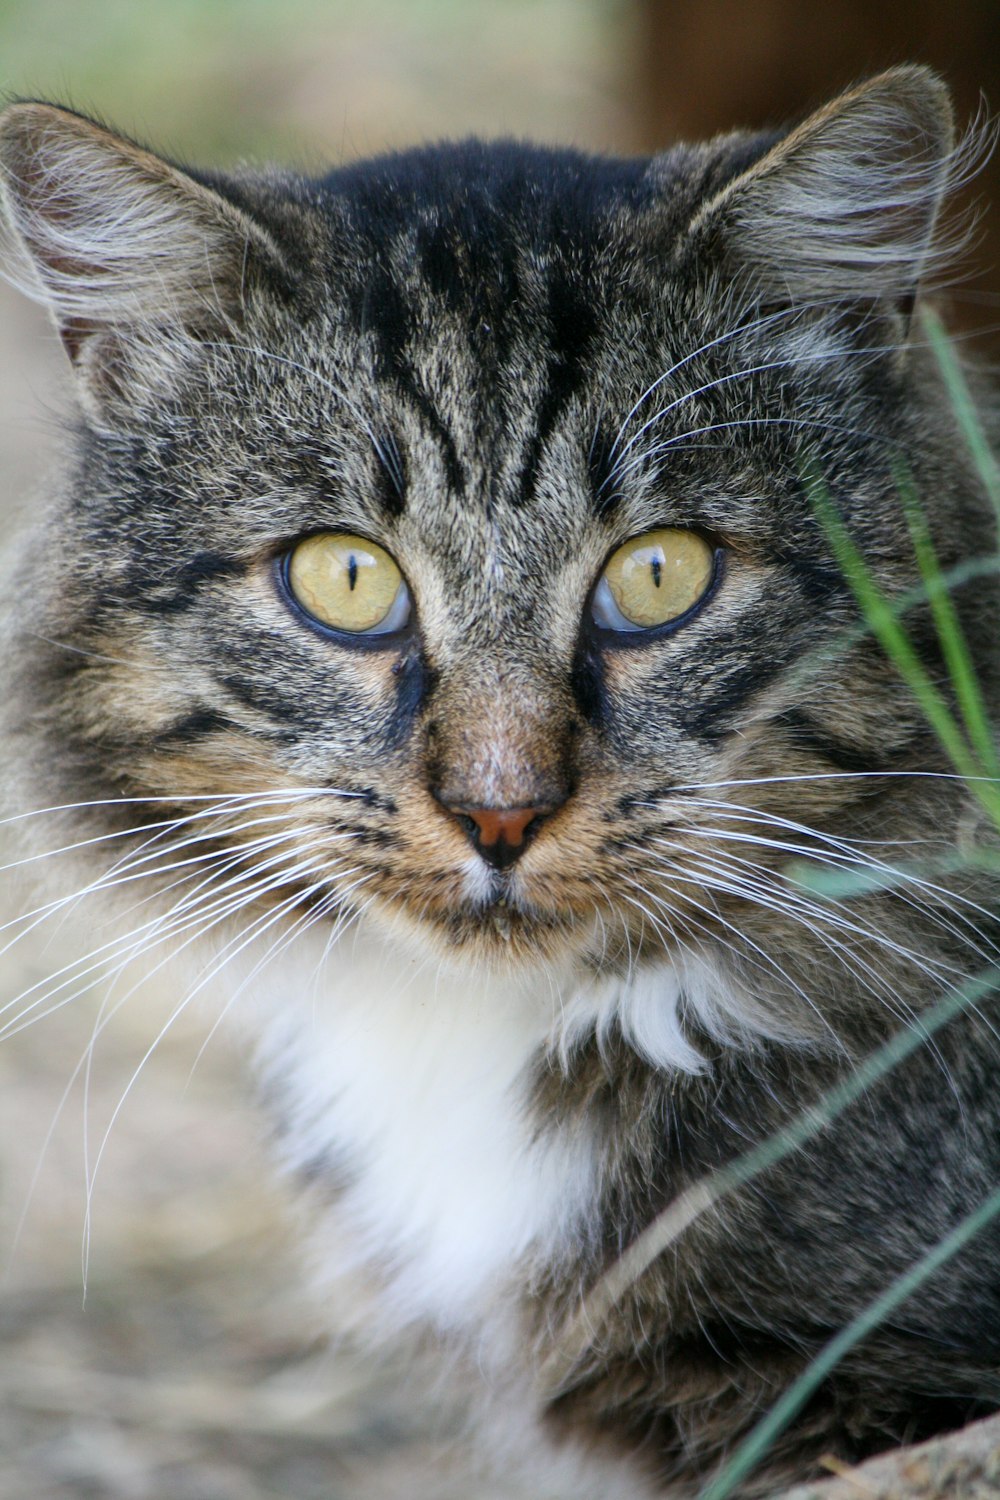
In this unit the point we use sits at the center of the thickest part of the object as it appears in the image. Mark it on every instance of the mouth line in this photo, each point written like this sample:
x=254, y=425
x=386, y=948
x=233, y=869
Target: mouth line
x=506, y=914
x=501, y=913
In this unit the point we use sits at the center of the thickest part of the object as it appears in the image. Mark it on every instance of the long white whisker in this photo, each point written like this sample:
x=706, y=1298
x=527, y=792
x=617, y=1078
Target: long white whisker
x=740, y=948
x=336, y=899
x=798, y=423
x=277, y=794
x=202, y=922
x=713, y=875
x=754, y=325
x=849, y=853
x=248, y=934
x=762, y=367
x=96, y=959
x=260, y=924
x=123, y=947
x=788, y=903
x=790, y=778
x=33, y=917
x=908, y=887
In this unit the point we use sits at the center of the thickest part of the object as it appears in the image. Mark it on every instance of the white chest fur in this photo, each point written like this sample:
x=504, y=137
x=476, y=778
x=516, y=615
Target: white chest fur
x=414, y=1080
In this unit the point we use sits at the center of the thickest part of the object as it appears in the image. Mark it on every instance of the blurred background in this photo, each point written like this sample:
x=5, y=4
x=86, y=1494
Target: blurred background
x=194, y=1368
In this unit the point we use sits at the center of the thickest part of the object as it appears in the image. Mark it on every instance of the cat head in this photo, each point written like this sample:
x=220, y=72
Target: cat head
x=437, y=543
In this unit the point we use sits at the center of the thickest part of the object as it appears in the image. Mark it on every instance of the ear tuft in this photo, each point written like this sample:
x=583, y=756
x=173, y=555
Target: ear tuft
x=116, y=242
x=846, y=205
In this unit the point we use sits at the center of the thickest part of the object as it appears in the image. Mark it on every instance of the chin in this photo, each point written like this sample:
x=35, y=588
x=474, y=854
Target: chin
x=499, y=933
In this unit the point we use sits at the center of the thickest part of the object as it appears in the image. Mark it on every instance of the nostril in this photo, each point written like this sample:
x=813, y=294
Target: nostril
x=469, y=826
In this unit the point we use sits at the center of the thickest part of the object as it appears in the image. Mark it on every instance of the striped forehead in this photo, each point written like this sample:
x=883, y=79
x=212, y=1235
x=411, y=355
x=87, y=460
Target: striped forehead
x=475, y=405
x=475, y=278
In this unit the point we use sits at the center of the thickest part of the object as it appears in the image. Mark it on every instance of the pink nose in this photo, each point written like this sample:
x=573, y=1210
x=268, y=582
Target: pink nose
x=497, y=832
x=496, y=824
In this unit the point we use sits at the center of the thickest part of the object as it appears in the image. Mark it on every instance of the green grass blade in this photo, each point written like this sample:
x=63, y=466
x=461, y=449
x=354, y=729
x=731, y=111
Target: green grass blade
x=951, y=578
x=886, y=625
x=576, y=1337
x=840, y=882
x=950, y=634
x=755, y=1446
x=963, y=406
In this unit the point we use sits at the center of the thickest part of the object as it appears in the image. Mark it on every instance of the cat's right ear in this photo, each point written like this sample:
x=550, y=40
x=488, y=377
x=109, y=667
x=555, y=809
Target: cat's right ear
x=845, y=207
x=135, y=260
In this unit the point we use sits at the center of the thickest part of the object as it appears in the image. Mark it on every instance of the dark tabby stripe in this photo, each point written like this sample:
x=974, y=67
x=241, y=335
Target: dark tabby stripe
x=806, y=734
x=153, y=595
x=200, y=724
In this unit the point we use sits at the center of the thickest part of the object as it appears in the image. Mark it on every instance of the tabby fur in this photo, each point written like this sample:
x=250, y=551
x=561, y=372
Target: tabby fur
x=500, y=362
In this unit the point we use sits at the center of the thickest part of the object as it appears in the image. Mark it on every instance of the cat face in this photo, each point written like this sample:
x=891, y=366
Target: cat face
x=447, y=553
x=497, y=375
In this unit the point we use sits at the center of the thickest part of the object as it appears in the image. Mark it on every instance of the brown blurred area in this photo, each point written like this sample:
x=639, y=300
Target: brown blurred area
x=705, y=66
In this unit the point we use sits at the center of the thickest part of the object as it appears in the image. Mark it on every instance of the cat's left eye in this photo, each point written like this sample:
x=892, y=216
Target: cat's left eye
x=654, y=580
x=347, y=584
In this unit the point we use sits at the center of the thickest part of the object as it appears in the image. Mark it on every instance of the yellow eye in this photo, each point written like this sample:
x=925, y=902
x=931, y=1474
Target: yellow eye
x=349, y=584
x=653, y=579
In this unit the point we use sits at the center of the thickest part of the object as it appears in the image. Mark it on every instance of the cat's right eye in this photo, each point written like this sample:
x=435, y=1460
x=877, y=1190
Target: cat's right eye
x=348, y=584
x=654, y=581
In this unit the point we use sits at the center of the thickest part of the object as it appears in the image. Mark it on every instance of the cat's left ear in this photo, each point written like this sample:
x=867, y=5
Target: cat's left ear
x=136, y=260
x=844, y=207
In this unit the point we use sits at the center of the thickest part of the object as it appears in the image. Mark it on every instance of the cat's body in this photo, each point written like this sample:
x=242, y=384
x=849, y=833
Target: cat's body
x=497, y=877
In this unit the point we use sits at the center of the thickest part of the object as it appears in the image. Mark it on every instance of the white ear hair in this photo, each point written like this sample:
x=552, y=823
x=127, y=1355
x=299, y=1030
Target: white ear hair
x=112, y=239
x=846, y=205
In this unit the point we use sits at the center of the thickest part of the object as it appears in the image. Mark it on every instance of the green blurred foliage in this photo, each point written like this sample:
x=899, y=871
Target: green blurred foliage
x=225, y=79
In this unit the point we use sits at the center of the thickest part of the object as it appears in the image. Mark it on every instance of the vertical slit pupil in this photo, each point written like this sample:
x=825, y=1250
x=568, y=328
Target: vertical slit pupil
x=657, y=570
x=352, y=571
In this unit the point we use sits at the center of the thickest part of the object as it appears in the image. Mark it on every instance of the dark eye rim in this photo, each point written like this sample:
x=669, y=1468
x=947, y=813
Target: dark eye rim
x=355, y=640
x=624, y=640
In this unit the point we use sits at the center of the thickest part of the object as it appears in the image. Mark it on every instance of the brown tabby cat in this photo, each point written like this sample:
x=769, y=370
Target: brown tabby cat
x=436, y=624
